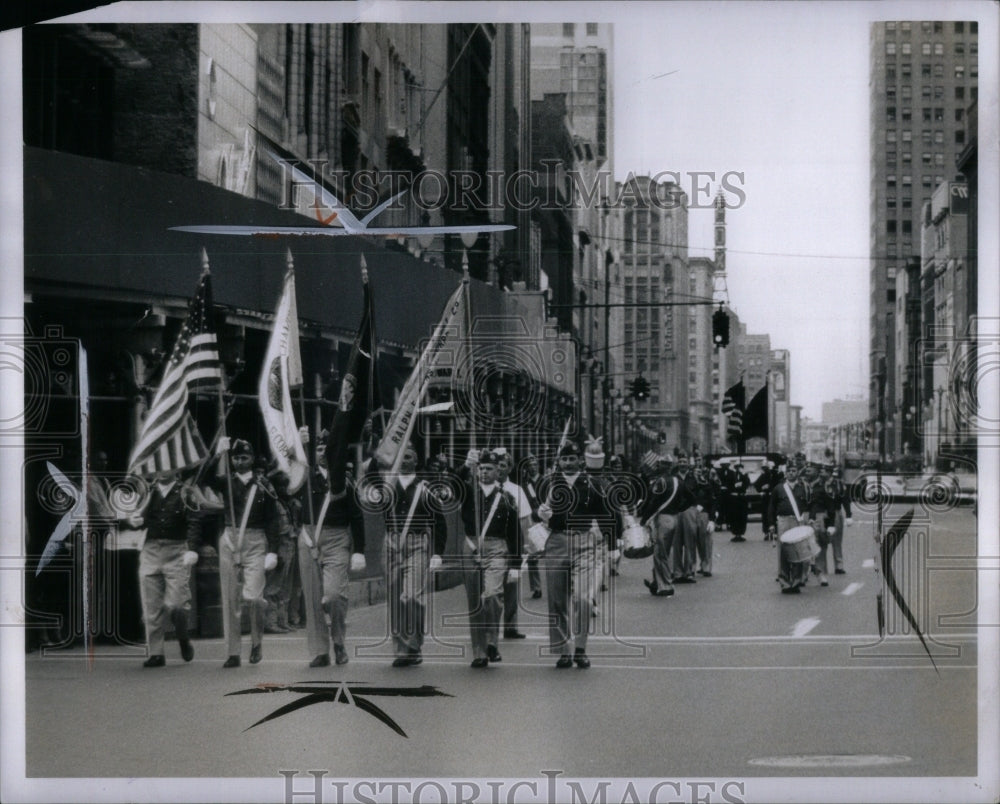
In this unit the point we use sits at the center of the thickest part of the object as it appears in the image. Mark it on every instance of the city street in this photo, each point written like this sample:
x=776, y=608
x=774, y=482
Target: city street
x=723, y=679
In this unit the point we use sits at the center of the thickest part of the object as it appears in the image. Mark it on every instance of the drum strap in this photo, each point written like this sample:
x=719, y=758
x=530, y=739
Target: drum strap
x=498, y=492
x=670, y=499
x=795, y=505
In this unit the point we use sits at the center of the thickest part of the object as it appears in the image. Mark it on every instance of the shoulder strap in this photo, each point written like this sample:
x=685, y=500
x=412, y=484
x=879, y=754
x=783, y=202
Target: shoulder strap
x=493, y=509
x=322, y=515
x=413, y=508
x=791, y=499
x=245, y=518
x=669, y=500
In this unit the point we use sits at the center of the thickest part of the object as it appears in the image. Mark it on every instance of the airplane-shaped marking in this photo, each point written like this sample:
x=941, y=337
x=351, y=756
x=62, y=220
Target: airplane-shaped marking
x=349, y=693
x=345, y=220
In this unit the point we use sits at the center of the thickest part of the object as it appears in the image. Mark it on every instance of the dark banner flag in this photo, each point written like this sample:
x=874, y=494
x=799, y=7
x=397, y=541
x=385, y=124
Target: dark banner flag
x=732, y=405
x=359, y=394
x=755, y=416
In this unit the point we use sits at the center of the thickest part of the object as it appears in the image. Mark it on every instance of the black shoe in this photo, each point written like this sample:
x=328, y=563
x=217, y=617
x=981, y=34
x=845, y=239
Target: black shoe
x=157, y=660
x=493, y=653
x=276, y=629
x=401, y=661
x=536, y=594
x=187, y=650
x=323, y=660
x=513, y=633
x=255, y=653
x=480, y=663
x=737, y=539
x=340, y=654
x=564, y=661
x=839, y=571
x=705, y=573
x=795, y=590
x=663, y=592
x=650, y=586
x=581, y=659
x=415, y=657
x=685, y=579
x=232, y=661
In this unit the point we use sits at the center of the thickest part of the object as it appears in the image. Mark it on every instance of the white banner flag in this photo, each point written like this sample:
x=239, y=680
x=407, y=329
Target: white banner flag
x=445, y=348
x=282, y=370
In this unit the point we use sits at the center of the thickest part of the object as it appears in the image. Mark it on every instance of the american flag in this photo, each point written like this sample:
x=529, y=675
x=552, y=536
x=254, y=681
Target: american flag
x=650, y=458
x=732, y=405
x=169, y=438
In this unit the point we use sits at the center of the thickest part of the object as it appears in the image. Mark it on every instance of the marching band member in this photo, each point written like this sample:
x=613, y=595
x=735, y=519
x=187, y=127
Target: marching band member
x=842, y=496
x=331, y=542
x=686, y=537
x=491, y=552
x=667, y=497
x=415, y=536
x=737, y=515
x=247, y=547
x=529, y=479
x=791, y=504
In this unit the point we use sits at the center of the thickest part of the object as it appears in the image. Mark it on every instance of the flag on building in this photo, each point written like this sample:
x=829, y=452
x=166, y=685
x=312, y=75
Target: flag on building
x=359, y=392
x=733, y=403
x=445, y=348
x=755, y=417
x=282, y=371
x=169, y=438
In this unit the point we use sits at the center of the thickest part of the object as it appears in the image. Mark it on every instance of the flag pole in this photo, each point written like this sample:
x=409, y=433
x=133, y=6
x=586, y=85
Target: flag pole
x=290, y=269
x=467, y=331
x=88, y=557
x=222, y=419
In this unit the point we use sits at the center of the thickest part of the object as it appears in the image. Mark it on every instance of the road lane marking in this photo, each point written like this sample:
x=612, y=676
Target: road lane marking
x=803, y=627
x=851, y=588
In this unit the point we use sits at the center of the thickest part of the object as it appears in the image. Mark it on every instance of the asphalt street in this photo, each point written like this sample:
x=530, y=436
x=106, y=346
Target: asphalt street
x=727, y=678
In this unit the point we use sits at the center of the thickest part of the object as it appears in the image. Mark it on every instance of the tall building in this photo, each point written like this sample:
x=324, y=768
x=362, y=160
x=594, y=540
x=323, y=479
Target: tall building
x=702, y=357
x=923, y=76
x=576, y=59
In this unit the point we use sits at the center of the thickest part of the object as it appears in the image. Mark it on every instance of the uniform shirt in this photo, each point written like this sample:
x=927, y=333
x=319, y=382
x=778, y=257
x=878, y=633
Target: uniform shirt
x=780, y=505
x=504, y=523
x=344, y=512
x=575, y=508
x=661, y=488
x=427, y=514
x=166, y=518
x=264, y=512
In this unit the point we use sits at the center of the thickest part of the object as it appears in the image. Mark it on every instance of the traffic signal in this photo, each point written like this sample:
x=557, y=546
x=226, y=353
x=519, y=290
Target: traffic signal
x=640, y=388
x=720, y=328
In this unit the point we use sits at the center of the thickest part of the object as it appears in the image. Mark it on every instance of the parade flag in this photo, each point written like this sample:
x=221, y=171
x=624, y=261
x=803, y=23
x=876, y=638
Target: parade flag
x=359, y=392
x=169, y=438
x=282, y=371
x=755, y=416
x=649, y=459
x=445, y=348
x=733, y=404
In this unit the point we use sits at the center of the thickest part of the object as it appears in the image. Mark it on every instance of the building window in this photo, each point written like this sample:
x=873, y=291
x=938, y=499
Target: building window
x=973, y=48
x=591, y=29
x=890, y=73
x=959, y=27
x=890, y=135
x=907, y=135
x=890, y=181
x=938, y=92
x=925, y=93
x=926, y=182
x=890, y=48
x=938, y=49
x=959, y=93
x=939, y=113
x=959, y=72
x=938, y=159
x=907, y=114
x=890, y=202
x=974, y=71
x=907, y=181
x=907, y=157
x=907, y=92
x=960, y=48
x=974, y=27
x=890, y=227
x=938, y=27
x=907, y=227
x=939, y=137
x=906, y=49
x=569, y=29
x=925, y=26
x=926, y=136
x=925, y=49
x=890, y=158
x=890, y=27
x=907, y=203
x=905, y=27
x=890, y=114
x=927, y=114
x=925, y=70
x=926, y=158
x=907, y=70
x=939, y=71
x=959, y=137
x=890, y=94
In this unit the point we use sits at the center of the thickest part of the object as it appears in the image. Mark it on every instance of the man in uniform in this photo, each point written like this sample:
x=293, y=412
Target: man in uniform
x=529, y=479
x=512, y=586
x=572, y=503
x=842, y=497
x=415, y=534
x=688, y=523
x=791, y=504
x=169, y=552
x=491, y=553
x=327, y=551
x=247, y=547
x=666, y=498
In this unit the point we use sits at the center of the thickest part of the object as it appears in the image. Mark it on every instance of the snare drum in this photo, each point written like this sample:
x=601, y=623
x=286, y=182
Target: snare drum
x=538, y=534
x=638, y=543
x=797, y=544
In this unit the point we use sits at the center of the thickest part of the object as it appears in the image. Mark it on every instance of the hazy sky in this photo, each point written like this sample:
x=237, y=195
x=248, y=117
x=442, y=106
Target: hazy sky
x=778, y=93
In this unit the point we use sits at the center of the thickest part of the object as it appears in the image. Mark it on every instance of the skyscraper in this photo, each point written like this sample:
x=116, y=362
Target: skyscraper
x=923, y=76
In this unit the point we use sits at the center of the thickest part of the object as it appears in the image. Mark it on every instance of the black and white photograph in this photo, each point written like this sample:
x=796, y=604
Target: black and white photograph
x=475, y=402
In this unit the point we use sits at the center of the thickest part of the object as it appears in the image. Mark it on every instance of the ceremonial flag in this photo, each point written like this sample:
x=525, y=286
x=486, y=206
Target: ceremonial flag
x=169, y=438
x=649, y=459
x=282, y=371
x=755, y=416
x=732, y=405
x=359, y=392
x=445, y=348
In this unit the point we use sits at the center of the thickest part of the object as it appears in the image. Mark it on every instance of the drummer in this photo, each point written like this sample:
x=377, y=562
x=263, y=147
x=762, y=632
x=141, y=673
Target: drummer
x=792, y=504
x=666, y=498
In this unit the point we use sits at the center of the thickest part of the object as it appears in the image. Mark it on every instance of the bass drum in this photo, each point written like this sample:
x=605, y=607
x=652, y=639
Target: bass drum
x=638, y=542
